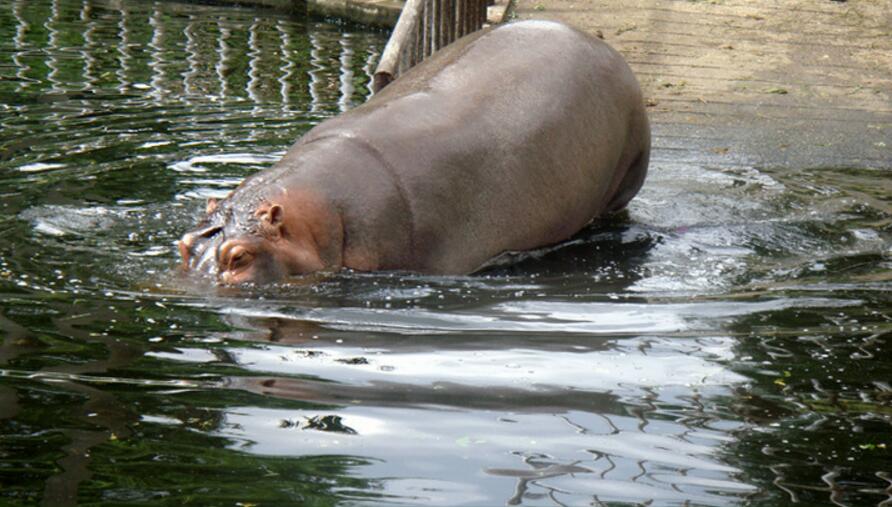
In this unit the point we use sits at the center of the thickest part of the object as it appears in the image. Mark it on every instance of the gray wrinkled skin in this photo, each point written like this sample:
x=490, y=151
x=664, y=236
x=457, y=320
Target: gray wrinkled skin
x=510, y=139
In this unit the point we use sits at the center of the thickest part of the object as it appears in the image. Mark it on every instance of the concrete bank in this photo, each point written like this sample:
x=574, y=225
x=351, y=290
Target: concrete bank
x=381, y=13
x=772, y=83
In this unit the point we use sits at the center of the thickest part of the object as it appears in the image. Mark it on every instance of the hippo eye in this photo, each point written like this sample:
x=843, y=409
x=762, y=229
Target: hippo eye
x=239, y=258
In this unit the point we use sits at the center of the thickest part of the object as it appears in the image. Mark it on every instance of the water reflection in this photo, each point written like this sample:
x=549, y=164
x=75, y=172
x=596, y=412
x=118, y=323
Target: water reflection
x=178, y=53
x=156, y=60
x=480, y=397
x=723, y=343
x=21, y=27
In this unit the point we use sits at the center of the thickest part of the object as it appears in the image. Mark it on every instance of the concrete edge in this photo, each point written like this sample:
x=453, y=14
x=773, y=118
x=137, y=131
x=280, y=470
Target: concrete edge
x=380, y=13
x=377, y=13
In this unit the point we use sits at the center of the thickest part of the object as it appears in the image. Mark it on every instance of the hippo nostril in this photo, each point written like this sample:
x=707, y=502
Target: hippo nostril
x=195, y=246
x=210, y=231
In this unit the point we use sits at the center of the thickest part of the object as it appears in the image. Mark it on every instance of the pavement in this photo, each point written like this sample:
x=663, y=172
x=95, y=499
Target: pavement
x=758, y=83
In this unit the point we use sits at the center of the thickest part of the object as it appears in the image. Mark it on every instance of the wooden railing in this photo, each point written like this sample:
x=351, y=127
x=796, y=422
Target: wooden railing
x=424, y=27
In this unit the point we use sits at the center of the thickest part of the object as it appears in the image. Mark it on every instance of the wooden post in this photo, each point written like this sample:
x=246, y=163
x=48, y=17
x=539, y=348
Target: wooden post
x=460, y=13
x=403, y=32
x=470, y=16
x=425, y=30
x=450, y=21
x=424, y=27
x=442, y=27
x=418, y=48
x=432, y=26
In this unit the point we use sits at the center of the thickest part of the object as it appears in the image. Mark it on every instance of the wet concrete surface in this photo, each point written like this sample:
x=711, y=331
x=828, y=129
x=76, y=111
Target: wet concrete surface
x=758, y=83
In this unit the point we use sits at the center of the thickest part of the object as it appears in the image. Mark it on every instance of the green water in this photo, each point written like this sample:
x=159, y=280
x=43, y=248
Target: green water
x=725, y=343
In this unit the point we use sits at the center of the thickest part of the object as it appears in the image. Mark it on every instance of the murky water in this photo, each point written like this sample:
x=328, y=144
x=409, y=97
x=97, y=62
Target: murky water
x=724, y=343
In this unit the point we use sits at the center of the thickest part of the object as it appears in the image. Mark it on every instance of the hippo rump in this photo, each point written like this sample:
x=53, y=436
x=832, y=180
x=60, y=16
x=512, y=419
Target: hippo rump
x=509, y=139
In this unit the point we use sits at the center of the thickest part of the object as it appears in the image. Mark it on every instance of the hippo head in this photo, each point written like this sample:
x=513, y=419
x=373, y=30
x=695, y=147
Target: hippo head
x=255, y=242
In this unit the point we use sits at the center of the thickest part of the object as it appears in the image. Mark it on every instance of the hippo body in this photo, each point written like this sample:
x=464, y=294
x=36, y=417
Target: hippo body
x=510, y=139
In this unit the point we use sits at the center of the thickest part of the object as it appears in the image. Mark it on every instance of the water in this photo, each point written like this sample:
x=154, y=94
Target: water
x=724, y=343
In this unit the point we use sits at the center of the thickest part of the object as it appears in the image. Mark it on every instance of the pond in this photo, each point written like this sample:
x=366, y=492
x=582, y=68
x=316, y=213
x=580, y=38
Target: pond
x=724, y=342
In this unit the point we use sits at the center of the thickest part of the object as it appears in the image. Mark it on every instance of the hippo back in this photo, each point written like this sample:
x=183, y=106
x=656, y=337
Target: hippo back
x=510, y=139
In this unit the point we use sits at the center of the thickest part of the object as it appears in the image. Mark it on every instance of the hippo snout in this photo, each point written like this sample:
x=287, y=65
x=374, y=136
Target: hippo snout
x=185, y=247
x=197, y=248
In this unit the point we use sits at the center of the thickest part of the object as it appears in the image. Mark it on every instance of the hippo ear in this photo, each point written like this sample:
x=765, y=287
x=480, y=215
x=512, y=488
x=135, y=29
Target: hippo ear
x=211, y=205
x=271, y=217
x=274, y=216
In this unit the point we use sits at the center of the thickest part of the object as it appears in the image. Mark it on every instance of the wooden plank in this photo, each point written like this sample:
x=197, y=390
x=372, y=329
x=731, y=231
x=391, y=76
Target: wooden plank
x=404, y=32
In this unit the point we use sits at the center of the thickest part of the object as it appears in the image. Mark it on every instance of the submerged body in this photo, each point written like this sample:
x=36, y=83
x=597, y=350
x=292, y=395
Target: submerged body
x=509, y=139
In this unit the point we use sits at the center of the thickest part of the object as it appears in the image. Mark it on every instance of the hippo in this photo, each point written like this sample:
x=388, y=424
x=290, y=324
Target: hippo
x=510, y=139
